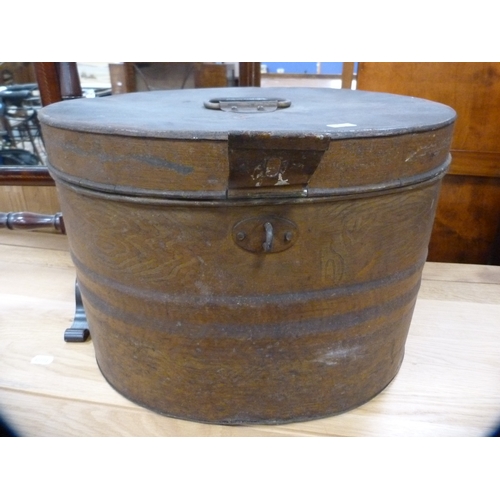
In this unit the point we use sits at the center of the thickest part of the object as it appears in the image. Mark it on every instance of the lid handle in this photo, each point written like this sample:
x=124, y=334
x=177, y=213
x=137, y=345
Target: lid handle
x=247, y=104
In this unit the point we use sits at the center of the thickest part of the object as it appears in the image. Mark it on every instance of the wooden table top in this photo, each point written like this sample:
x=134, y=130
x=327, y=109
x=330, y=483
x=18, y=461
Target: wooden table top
x=448, y=385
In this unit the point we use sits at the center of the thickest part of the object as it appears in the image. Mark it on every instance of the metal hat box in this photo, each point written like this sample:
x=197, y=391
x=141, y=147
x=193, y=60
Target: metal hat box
x=249, y=255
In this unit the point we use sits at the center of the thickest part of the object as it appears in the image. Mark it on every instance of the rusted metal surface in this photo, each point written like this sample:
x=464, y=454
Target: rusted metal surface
x=229, y=308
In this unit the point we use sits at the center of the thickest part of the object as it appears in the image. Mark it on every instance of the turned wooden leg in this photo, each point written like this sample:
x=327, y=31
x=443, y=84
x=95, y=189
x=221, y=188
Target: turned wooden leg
x=29, y=221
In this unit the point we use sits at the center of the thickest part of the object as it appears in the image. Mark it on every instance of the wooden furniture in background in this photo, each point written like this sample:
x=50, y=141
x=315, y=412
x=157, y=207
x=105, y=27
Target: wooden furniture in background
x=249, y=74
x=16, y=72
x=347, y=75
x=29, y=220
x=30, y=188
x=468, y=218
x=174, y=75
x=57, y=81
x=208, y=75
x=122, y=77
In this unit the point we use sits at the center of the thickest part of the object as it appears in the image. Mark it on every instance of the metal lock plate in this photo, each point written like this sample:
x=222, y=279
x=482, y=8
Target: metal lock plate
x=265, y=234
x=266, y=165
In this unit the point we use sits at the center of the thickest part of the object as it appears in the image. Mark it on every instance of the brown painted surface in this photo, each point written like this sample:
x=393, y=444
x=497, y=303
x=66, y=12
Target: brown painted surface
x=187, y=323
x=468, y=217
x=263, y=308
x=157, y=167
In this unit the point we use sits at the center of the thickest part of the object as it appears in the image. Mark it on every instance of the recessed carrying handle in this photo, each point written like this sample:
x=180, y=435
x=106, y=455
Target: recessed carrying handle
x=247, y=104
x=265, y=234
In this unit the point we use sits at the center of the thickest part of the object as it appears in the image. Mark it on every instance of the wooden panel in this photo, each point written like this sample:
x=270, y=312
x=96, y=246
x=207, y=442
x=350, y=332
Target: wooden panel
x=208, y=75
x=468, y=216
x=48, y=82
x=472, y=89
x=25, y=175
x=478, y=163
x=42, y=199
x=178, y=75
x=249, y=74
x=466, y=221
x=122, y=77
